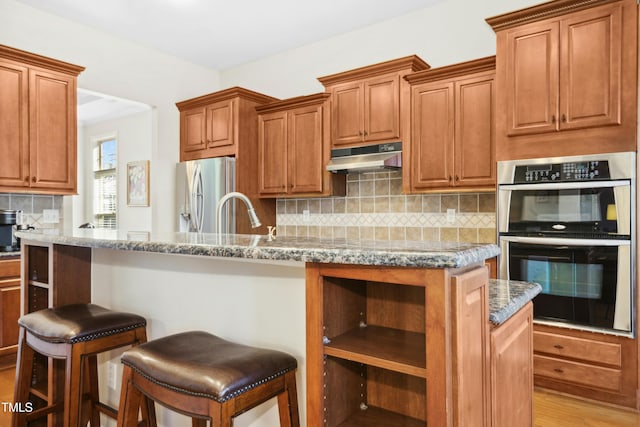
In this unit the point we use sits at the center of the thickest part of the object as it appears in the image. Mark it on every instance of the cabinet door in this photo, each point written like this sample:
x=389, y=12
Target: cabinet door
x=474, y=140
x=192, y=133
x=512, y=370
x=9, y=312
x=590, y=68
x=14, y=125
x=220, y=124
x=432, y=135
x=272, y=153
x=382, y=108
x=52, y=123
x=532, y=79
x=347, y=114
x=305, y=145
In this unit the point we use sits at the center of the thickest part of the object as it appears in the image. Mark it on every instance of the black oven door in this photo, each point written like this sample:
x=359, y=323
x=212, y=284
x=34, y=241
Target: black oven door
x=576, y=209
x=585, y=283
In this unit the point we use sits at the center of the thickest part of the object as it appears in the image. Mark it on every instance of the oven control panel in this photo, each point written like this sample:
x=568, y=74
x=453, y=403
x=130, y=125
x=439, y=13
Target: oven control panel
x=562, y=172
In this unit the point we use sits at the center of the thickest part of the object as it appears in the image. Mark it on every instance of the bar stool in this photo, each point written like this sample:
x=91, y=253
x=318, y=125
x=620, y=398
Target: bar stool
x=75, y=333
x=206, y=377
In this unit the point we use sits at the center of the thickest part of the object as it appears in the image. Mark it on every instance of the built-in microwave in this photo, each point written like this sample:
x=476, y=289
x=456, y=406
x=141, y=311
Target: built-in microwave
x=568, y=224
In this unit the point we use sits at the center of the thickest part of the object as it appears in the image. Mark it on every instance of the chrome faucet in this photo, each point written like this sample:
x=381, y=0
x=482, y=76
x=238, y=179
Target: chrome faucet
x=253, y=217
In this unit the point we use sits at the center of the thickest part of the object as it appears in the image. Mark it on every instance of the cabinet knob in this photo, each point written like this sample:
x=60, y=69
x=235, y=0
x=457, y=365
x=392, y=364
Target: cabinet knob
x=26, y=179
x=564, y=118
x=34, y=179
x=553, y=119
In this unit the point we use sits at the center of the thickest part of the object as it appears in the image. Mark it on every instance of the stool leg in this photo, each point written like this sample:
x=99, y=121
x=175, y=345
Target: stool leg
x=288, y=402
x=73, y=385
x=91, y=385
x=130, y=399
x=24, y=368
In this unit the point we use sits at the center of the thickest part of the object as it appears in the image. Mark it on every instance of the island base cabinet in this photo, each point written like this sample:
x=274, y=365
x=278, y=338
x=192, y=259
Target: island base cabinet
x=386, y=346
x=512, y=370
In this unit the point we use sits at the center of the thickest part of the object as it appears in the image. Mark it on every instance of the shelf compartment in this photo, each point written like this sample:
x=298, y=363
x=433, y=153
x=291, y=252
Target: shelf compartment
x=393, y=349
x=392, y=398
x=376, y=417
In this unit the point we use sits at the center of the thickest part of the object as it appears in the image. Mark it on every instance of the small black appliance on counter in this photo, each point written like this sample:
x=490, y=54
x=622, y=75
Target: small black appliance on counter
x=7, y=226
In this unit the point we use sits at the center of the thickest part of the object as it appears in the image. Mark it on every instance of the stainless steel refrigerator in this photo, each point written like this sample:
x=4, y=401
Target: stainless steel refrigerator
x=200, y=184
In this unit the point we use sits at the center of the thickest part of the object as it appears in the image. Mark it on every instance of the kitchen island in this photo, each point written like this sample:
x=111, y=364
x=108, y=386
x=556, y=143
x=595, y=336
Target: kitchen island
x=297, y=295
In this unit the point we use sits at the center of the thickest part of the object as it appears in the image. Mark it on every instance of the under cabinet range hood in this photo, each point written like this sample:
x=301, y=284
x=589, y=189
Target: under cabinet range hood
x=366, y=159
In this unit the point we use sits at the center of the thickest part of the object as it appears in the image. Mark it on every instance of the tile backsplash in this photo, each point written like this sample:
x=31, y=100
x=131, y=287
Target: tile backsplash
x=32, y=206
x=375, y=208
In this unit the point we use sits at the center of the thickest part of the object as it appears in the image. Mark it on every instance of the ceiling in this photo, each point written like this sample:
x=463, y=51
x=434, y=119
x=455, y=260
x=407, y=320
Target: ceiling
x=222, y=34
x=95, y=107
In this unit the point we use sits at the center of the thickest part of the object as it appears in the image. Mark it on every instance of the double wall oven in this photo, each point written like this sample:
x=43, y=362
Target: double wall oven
x=569, y=224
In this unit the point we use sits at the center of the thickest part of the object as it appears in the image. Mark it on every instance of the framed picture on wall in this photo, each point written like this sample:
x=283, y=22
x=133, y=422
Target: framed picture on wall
x=138, y=183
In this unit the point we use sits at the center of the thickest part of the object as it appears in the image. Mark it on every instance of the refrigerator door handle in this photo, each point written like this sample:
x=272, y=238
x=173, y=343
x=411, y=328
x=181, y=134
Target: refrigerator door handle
x=193, y=198
x=198, y=200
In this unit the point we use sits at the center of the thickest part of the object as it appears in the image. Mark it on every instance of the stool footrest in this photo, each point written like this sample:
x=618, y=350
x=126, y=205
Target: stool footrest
x=107, y=410
x=44, y=411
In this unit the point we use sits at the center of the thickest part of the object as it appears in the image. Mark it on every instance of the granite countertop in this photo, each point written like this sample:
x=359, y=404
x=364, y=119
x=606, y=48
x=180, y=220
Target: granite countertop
x=427, y=254
x=9, y=254
x=506, y=297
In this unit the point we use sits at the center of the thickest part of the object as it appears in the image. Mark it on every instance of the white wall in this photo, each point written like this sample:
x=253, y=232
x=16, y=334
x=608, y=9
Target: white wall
x=123, y=69
x=449, y=32
x=134, y=134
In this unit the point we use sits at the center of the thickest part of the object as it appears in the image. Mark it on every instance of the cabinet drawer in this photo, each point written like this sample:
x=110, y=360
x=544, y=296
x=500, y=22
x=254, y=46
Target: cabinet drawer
x=9, y=268
x=578, y=348
x=578, y=373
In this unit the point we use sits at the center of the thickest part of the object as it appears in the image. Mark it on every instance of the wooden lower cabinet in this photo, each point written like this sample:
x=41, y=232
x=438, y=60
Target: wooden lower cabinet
x=587, y=364
x=512, y=370
x=396, y=346
x=9, y=307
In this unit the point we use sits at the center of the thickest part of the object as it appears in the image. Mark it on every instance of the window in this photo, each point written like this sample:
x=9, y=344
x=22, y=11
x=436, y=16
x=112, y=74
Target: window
x=105, y=184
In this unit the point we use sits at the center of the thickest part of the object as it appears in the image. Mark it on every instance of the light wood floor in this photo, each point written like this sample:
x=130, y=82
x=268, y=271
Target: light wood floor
x=550, y=410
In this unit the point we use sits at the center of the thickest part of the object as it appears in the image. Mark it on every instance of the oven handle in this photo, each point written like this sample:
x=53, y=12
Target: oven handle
x=566, y=185
x=568, y=242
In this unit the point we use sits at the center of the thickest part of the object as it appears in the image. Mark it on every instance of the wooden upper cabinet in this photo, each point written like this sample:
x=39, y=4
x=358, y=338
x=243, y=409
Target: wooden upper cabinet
x=14, y=124
x=369, y=104
x=210, y=124
x=565, y=74
x=452, y=138
x=273, y=153
x=293, y=146
x=567, y=78
x=38, y=130
x=52, y=112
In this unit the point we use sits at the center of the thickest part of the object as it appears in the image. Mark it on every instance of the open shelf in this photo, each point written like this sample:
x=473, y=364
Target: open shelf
x=376, y=417
x=388, y=348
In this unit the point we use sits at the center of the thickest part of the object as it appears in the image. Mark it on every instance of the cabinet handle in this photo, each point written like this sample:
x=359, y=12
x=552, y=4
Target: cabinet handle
x=558, y=346
x=26, y=179
x=553, y=119
x=34, y=179
x=457, y=178
x=366, y=133
x=450, y=178
x=558, y=370
x=564, y=118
